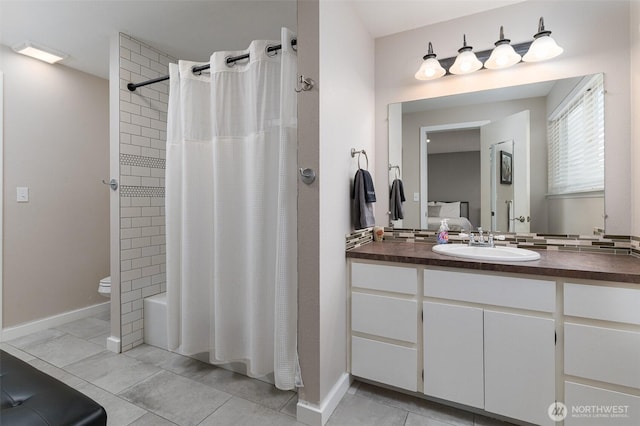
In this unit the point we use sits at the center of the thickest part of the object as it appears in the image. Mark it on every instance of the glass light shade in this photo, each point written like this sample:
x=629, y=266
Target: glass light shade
x=502, y=56
x=466, y=62
x=430, y=70
x=541, y=49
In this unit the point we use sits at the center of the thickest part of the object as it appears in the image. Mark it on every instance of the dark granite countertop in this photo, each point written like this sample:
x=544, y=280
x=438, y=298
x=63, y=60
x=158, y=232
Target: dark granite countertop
x=603, y=267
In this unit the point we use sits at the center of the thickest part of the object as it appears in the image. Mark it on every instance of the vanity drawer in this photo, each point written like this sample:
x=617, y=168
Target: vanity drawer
x=520, y=293
x=602, y=354
x=384, y=316
x=385, y=363
x=581, y=398
x=396, y=279
x=603, y=303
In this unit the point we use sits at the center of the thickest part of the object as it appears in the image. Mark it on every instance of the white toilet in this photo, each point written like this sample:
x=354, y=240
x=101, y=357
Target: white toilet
x=105, y=287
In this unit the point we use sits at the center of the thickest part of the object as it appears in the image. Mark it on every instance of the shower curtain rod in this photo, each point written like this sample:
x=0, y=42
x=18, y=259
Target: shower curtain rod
x=230, y=61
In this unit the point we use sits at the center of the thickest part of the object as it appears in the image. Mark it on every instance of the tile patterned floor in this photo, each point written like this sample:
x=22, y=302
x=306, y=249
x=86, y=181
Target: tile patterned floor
x=154, y=387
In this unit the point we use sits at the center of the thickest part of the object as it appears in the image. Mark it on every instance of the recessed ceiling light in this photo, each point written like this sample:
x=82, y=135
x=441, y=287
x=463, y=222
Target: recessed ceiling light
x=42, y=53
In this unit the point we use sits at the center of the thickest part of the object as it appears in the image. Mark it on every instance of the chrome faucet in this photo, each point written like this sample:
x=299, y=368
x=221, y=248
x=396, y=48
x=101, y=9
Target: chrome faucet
x=479, y=241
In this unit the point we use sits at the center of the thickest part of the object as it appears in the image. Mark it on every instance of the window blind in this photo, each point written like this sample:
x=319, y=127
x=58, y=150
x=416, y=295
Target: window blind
x=576, y=142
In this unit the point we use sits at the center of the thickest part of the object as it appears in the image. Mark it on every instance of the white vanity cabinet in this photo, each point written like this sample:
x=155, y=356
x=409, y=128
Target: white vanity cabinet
x=479, y=352
x=508, y=344
x=384, y=324
x=602, y=350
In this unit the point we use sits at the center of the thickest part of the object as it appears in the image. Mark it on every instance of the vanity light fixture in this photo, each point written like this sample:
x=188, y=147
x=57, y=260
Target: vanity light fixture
x=503, y=55
x=430, y=68
x=466, y=61
x=544, y=47
x=42, y=53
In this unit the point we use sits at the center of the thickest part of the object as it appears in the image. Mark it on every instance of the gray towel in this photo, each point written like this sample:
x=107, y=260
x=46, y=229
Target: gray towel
x=396, y=199
x=369, y=191
x=362, y=211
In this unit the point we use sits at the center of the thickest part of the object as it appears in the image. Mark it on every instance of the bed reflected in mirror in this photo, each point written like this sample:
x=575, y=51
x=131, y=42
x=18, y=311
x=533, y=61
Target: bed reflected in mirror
x=456, y=214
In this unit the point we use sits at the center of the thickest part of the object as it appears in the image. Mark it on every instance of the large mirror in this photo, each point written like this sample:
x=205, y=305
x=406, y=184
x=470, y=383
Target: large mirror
x=483, y=159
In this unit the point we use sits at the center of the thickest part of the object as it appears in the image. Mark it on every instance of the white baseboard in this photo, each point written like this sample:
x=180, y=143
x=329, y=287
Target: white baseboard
x=317, y=415
x=113, y=344
x=53, y=321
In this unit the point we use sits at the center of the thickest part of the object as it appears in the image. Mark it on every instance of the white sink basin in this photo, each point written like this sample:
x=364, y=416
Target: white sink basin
x=498, y=253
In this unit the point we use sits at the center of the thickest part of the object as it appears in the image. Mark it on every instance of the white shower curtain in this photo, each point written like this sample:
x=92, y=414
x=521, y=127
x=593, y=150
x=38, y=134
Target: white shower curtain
x=231, y=210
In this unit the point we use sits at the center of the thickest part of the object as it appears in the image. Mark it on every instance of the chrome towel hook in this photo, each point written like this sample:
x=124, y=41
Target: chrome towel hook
x=112, y=183
x=307, y=175
x=307, y=84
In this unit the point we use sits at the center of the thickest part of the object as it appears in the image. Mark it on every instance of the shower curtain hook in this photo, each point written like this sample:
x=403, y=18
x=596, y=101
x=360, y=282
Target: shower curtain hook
x=307, y=84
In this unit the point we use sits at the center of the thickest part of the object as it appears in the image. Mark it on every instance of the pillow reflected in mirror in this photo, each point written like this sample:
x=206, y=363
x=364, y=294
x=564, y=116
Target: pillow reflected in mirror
x=434, y=211
x=448, y=209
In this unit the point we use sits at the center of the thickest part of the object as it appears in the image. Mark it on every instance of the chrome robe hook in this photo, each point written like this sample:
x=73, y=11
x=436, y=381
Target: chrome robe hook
x=304, y=84
x=112, y=183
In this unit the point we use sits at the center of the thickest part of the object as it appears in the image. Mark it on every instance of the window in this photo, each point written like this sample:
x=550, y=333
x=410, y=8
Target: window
x=576, y=141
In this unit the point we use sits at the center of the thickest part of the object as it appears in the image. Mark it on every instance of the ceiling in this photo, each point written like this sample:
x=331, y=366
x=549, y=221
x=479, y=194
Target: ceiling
x=189, y=29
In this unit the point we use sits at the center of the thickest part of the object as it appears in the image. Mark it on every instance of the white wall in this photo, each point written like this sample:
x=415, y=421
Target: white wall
x=586, y=37
x=635, y=112
x=142, y=123
x=576, y=215
x=56, y=142
x=396, y=150
x=309, y=206
x=346, y=121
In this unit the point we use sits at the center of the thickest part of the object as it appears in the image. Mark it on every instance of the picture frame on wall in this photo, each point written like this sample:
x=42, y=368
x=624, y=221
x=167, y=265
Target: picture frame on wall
x=506, y=168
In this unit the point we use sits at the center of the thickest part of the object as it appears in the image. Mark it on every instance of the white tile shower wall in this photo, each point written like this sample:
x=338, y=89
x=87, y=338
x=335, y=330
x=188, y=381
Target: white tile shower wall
x=143, y=124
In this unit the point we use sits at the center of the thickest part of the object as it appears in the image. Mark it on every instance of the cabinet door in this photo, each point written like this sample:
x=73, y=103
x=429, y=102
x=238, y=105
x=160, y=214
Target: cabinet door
x=453, y=353
x=519, y=357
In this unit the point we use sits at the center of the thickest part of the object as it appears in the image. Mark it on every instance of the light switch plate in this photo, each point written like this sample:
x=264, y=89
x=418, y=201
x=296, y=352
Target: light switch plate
x=416, y=196
x=22, y=194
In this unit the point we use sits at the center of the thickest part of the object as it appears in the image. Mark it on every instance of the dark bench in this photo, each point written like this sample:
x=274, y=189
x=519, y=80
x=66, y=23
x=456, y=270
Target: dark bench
x=31, y=397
